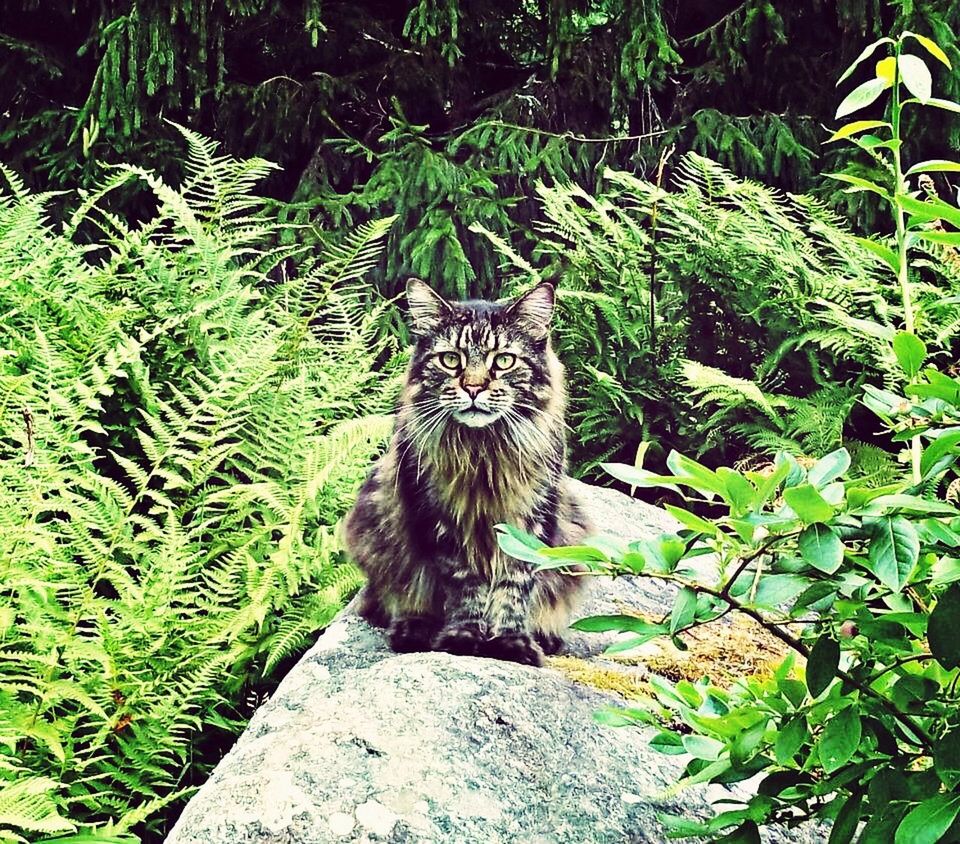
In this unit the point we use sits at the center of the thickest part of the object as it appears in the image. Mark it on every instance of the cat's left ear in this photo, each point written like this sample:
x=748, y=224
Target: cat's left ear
x=533, y=310
x=424, y=306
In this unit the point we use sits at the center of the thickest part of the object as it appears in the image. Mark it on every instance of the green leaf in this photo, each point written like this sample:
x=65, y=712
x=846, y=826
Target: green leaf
x=934, y=165
x=883, y=252
x=637, y=477
x=946, y=238
x=930, y=209
x=839, y=740
x=692, y=521
x=910, y=351
x=861, y=184
x=610, y=716
x=777, y=589
x=520, y=545
x=943, y=629
x=931, y=47
x=603, y=623
x=660, y=554
x=695, y=474
x=947, y=105
x=739, y=491
x=893, y=552
x=829, y=467
x=854, y=128
x=575, y=553
x=790, y=739
x=847, y=821
x=943, y=445
x=928, y=821
x=916, y=76
x=861, y=96
x=681, y=827
x=946, y=758
x=868, y=51
x=768, y=486
x=628, y=644
x=822, y=664
x=821, y=548
x=808, y=504
x=667, y=742
x=684, y=609
x=703, y=747
x=746, y=743
x=911, y=503
x=945, y=570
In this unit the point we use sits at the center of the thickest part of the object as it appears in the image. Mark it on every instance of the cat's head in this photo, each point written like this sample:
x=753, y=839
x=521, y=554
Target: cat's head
x=476, y=362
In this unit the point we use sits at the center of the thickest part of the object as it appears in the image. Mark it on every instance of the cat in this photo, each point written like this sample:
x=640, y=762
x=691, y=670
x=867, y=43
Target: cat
x=479, y=439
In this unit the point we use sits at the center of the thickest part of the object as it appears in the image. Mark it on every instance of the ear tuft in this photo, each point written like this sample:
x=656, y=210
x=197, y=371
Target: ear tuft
x=533, y=310
x=425, y=306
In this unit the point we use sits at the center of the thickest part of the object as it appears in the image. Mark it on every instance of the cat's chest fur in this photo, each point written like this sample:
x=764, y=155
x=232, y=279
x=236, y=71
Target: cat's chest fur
x=479, y=482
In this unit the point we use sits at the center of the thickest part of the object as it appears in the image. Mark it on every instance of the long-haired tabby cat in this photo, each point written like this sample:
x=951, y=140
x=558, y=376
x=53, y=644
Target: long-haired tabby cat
x=479, y=440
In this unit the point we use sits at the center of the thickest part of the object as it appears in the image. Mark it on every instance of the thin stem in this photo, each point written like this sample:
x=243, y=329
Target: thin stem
x=903, y=272
x=895, y=665
x=749, y=558
x=796, y=644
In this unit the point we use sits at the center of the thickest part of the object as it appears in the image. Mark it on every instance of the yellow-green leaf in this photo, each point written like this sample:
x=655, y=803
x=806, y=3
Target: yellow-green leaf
x=934, y=165
x=854, y=128
x=887, y=69
x=947, y=105
x=858, y=183
x=883, y=252
x=931, y=47
x=867, y=52
x=860, y=97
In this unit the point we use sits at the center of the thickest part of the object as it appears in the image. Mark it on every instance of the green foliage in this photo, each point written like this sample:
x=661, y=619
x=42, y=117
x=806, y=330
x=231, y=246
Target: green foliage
x=173, y=462
x=860, y=583
x=901, y=70
x=658, y=286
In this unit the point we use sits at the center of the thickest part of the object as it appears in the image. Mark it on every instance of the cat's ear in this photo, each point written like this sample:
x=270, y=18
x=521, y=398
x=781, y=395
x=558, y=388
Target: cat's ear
x=533, y=310
x=425, y=306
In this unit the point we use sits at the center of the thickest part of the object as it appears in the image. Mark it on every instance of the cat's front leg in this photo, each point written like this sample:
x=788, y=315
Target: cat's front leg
x=465, y=630
x=507, y=613
x=413, y=633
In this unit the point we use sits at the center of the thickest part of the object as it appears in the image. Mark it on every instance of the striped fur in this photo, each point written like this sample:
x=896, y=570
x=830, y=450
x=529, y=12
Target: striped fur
x=479, y=440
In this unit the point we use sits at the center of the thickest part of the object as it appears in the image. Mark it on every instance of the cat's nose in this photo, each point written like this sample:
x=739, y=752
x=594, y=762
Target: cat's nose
x=474, y=390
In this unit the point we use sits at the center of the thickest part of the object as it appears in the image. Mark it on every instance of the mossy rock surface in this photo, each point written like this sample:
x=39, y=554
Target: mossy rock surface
x=360, y=744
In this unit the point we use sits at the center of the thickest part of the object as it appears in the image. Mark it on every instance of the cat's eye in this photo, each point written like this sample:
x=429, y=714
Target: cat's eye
x=504, y=360
x=449, y=360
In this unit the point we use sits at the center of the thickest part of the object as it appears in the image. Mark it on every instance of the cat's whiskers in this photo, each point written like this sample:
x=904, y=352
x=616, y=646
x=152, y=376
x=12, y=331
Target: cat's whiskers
x=515, y=436
x=421, y=422
x=551, y=418
x=529, y=438
x=442, y=416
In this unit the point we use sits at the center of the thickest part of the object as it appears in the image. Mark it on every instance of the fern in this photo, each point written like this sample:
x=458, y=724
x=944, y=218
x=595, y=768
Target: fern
x=764, y=304
x=176, y=448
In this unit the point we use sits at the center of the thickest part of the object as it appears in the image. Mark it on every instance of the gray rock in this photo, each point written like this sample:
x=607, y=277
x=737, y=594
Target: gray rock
x=359, y=744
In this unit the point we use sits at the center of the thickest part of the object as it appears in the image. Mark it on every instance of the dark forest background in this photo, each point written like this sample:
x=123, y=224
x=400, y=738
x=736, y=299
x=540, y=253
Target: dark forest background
x=443, y=112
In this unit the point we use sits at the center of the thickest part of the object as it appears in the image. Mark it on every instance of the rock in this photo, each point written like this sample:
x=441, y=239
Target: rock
x=359, y=744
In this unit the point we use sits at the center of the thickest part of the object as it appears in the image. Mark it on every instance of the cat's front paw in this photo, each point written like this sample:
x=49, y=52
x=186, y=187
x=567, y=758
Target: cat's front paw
x=463, y=639
x=514, y=647
x=412, y=634
x=550, y=642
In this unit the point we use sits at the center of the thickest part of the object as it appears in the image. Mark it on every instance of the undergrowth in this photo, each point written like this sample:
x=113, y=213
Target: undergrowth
x=174, y=458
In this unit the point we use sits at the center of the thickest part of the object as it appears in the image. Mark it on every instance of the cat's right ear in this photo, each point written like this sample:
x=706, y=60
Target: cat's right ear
x=426, y=308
